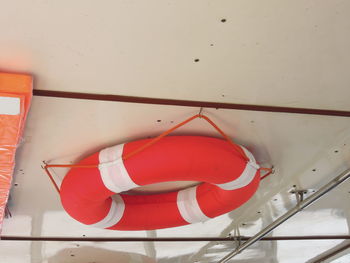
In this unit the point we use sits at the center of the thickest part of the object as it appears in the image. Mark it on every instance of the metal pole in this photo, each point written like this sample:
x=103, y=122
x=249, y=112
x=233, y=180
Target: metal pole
x=187, y=103
x=167, y=239
x=332, y=254
x=325, y=189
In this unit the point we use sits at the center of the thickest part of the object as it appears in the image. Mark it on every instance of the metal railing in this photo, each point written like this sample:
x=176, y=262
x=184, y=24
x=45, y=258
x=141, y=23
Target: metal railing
x=301, y=205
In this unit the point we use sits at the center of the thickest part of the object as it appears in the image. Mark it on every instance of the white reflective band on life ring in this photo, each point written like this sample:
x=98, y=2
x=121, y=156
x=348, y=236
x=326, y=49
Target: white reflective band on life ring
x=247, y=175
x=188, y=206
x=248, y=154
x=114, y=215
x=112, y=170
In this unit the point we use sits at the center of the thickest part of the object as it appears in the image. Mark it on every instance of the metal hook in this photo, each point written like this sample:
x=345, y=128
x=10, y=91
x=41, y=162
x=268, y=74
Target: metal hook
x=200, y=112
x=299, y=194
x=44, y=166
x=237, y=237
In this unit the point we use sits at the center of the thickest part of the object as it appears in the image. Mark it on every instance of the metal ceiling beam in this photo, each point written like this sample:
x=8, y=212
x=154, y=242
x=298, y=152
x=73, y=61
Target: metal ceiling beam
x=188, y=103
x=311, y=199
x=171, y=239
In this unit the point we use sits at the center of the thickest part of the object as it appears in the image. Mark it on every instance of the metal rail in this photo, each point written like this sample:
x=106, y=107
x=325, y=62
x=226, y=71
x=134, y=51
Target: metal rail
x=332, y=254
x=325, y=189
x=170, y=239
x=187, y=103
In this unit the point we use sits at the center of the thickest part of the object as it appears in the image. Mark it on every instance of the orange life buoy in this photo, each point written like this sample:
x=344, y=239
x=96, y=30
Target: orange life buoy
x=96, y=196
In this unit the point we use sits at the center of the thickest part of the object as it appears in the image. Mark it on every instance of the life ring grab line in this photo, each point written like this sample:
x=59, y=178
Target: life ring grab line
x=114, y=187
x=154, y=140
x=242, y=153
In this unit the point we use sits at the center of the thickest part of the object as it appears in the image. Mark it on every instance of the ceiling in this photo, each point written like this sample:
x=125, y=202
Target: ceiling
x=278, y=53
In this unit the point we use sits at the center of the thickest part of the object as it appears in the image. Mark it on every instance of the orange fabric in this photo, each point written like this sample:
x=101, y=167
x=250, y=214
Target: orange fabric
x=11, y=128
x=153, y=141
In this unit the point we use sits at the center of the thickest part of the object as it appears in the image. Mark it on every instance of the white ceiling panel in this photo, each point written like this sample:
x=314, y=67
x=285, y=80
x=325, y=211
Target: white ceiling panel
x=64, y=130
x=289, y=53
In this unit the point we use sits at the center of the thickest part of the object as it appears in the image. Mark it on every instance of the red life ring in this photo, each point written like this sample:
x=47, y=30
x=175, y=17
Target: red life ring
x=95, y=196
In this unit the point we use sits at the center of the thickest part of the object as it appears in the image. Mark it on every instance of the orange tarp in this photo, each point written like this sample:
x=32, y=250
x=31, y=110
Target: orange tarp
x=15, y=97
